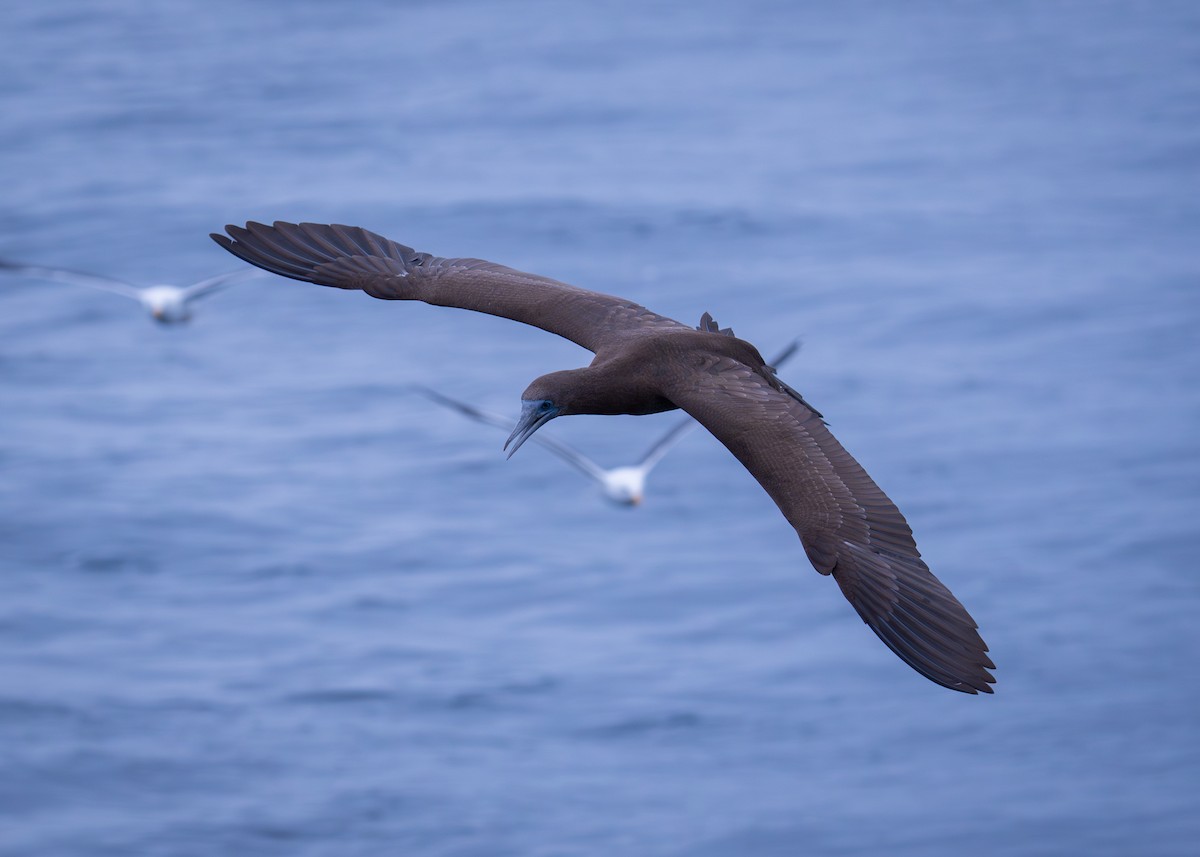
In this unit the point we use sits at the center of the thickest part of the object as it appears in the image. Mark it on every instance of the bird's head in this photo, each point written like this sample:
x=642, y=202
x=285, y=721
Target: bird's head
x=543, y=400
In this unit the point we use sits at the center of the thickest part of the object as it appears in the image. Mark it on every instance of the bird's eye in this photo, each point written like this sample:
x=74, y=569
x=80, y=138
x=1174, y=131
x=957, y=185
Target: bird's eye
x=546, y=405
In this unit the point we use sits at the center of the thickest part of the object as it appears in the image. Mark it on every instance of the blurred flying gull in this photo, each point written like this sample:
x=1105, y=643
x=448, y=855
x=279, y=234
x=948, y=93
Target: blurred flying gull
x=166, y=304
x=646, y=363
x=626, y=485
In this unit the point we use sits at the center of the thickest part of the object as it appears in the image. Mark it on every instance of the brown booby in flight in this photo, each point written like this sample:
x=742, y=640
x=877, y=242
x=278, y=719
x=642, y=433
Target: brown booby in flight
x=646, y=363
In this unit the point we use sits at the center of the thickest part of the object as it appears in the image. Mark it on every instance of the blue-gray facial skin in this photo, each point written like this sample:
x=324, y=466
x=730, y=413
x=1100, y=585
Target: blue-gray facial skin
x=535, y=413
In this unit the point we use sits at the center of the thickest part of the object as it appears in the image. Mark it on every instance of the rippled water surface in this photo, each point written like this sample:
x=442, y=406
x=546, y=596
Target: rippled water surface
x=257, y=598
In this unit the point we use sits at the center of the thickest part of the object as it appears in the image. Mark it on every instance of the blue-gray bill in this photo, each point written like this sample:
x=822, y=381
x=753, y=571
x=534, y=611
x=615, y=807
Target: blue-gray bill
x=534, y=415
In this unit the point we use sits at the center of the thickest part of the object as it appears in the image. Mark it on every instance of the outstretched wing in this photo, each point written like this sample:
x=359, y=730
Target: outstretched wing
x=848, y=526
x=666, y=443
x=208, y=286
x=350, y=257
x=78, y=278
x=786, y=354
x=568, y=454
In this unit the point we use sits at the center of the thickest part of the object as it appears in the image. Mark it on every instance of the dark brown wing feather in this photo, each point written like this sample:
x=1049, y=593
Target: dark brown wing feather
x=350, y=257
x=848, y=526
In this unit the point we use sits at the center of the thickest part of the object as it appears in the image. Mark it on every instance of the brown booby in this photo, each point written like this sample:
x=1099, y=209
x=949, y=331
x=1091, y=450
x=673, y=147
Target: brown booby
x=646, y=363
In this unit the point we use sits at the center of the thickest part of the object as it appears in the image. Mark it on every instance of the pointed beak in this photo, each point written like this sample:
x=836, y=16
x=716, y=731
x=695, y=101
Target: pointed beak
x=533, y=417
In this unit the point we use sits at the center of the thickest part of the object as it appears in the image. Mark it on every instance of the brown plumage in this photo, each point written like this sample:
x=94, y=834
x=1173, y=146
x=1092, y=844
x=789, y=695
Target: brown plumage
x=646, y=363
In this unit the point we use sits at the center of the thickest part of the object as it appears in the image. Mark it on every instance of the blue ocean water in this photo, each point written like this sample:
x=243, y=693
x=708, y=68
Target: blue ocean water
x=257, y=598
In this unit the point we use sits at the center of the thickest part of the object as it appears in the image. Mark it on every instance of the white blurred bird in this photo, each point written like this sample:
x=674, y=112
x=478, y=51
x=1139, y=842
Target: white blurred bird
x=626, y=485
x=166, y=304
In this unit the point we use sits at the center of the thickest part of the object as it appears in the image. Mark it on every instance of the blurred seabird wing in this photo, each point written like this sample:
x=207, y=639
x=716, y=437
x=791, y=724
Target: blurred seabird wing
x=208, y=286
x=665, y=444
x=78, y=278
